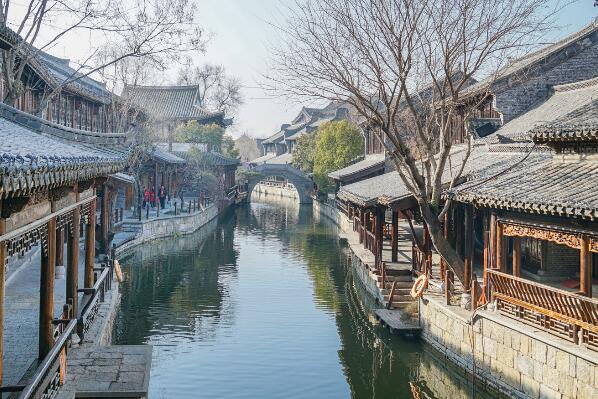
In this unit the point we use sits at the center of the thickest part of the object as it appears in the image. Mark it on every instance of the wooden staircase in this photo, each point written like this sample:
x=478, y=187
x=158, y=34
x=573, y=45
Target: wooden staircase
x=401, y=296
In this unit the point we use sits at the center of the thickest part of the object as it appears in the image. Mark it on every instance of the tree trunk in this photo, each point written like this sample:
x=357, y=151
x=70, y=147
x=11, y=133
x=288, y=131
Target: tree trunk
x=441, y=244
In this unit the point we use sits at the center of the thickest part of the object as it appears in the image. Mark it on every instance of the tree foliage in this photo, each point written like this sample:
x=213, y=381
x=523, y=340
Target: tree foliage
x=337, y=145
x=305, y=152
x=194, y=132
x=198, y=177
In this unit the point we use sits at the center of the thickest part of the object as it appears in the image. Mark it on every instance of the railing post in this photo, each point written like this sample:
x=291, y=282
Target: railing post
x=147, y=211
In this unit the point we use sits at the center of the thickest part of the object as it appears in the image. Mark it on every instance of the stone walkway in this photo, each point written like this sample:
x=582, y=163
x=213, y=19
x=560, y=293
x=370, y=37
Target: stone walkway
x=21, y=315
x=109, y=371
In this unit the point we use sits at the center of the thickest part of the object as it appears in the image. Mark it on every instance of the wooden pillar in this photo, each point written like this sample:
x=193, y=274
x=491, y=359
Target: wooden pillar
x=105, y=219
x=3, y=255
x=362, y=218
x=379, y=233
x=395, y=236
x=60, y=247
x=46, y=291
x=90, y=250
x=468, y=246
x=585, y=267
x=72, y=255
x=492, y=244
x=516, y=256
x=499, y=250
x=486, y=238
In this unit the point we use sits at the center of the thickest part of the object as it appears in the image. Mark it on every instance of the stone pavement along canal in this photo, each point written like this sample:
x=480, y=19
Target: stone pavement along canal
x=115, y=371
x=21, y=315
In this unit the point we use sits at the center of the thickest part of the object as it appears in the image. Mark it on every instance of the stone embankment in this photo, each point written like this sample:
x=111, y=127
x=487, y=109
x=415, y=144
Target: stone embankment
x=516, y=359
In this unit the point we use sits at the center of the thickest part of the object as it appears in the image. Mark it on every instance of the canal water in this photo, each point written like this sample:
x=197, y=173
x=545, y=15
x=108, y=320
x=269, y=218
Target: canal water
x=262, y=304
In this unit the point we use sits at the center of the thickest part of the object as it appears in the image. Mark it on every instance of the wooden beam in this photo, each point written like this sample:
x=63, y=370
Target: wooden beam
x=395, y=236
x=468, y=246
x=516, y=256
x=585, y=268
x=72, y=270
x=90, y=242
x=46, y=292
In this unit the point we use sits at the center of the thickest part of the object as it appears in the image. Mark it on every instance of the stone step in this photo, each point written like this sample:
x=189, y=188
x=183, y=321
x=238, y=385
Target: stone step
x=399, y=298
x=402, y=278
x=400, y=285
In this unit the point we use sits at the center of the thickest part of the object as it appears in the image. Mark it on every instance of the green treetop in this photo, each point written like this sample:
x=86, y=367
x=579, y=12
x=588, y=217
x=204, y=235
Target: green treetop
x=212, y=134
x=337, y=145
x=305, y=153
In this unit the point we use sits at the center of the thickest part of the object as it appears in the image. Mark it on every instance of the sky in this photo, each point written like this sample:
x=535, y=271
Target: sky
x=242, y=34
x=242, y=37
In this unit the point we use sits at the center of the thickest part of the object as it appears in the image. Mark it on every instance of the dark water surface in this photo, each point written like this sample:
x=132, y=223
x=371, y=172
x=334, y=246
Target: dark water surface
x=263, y=304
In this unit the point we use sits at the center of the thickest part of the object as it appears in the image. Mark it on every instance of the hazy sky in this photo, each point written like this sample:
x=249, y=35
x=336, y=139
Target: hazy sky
x=241, y=38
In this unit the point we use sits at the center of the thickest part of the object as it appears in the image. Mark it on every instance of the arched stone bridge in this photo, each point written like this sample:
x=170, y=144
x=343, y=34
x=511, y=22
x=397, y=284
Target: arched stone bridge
x=302, y=182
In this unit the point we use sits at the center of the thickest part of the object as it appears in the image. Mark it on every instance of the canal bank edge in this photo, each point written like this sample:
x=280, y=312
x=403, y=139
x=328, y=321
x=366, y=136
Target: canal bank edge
x=517, y=360
x=99, y=336
x=172, y=226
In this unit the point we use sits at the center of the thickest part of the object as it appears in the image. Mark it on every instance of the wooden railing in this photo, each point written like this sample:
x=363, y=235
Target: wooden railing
x=370, y=241
x=342, y=207
x=420, y=261
x=558, y=312
x=93, y=297
x=52, y=370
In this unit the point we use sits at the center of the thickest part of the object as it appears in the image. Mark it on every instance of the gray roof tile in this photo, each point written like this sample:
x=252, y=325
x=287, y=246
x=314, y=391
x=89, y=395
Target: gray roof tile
x=169, y=102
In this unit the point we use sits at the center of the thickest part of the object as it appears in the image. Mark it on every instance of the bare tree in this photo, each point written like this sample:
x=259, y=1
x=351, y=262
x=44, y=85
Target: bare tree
x=404, y=65
x=217, y=90
x=137, y=28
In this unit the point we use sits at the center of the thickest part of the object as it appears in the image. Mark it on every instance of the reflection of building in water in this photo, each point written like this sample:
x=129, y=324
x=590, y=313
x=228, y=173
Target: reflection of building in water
x=174, y=287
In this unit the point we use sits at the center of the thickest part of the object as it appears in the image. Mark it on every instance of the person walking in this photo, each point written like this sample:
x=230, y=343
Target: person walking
x=145, y=196
x=162, y=196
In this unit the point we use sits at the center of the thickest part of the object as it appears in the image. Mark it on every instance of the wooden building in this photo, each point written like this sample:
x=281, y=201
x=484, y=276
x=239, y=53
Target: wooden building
x=53, y=182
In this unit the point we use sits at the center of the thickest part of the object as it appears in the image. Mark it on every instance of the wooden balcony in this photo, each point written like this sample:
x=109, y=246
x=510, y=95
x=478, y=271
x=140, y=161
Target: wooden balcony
x=568, y=315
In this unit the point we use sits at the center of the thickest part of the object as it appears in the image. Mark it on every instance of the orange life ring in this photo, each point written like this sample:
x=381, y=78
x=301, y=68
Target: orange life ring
x=118, y=271
x=418, y=287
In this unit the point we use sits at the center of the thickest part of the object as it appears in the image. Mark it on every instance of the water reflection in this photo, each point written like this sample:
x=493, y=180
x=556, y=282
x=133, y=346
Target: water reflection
x=263, y=304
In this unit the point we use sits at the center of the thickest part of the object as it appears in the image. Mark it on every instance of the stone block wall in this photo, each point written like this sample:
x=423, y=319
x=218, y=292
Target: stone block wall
x=513, y=358
x=520, y=98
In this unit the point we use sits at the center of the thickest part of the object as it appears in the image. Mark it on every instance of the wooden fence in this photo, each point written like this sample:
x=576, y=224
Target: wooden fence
x=566, y=314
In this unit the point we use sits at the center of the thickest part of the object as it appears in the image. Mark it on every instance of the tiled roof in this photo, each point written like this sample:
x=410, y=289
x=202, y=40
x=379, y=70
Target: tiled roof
x=61, y=71
x=31, y=159
x=123, y=177
x=544, y=186
x=263, y=158
x=181, y=151
x=571, y=104
x=483, y=162
x=161, y=155
x=217, y=159
x=369, y=163
x=281, y=159
x=562, y=49
x=169, y=102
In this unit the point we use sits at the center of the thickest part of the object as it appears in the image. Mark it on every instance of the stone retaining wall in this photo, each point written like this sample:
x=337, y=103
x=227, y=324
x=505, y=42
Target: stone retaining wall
x=510, y=357
x=516, y=359
x=171, y=226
